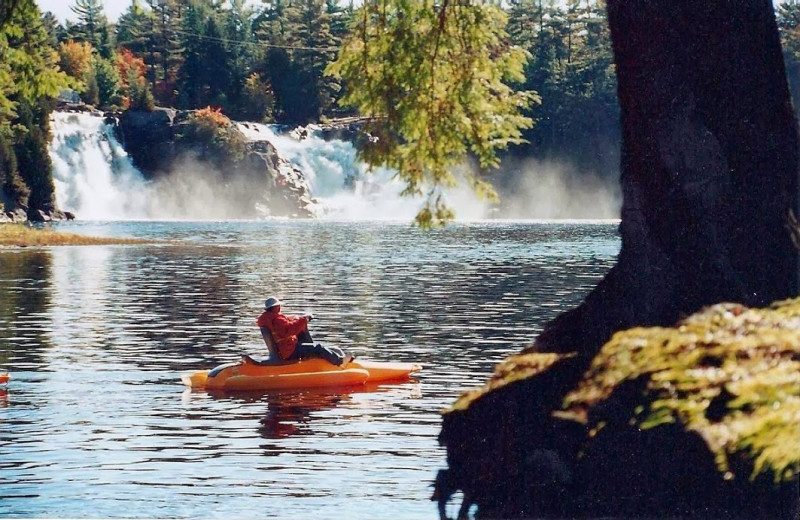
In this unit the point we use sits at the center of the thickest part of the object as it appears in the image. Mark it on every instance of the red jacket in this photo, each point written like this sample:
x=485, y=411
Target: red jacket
x=284, y=330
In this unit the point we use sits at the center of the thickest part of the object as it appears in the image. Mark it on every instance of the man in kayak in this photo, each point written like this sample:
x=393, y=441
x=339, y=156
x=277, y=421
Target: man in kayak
x=291, y=336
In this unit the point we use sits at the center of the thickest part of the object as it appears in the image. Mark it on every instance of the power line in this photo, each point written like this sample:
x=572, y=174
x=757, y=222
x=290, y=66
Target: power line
x=258, y=44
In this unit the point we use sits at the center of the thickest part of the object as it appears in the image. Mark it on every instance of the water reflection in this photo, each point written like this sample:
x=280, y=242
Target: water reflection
x=25, y=299
x=292, y=412
x=96, y=422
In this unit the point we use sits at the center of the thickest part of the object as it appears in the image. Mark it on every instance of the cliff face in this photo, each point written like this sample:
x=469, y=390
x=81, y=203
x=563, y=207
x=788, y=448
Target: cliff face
x=261, y=182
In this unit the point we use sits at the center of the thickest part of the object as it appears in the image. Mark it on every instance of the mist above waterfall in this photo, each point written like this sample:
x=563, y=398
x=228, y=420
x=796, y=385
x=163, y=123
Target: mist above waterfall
x=96, y=179
x=555, y=189
x=530, y=189
x=346, y=188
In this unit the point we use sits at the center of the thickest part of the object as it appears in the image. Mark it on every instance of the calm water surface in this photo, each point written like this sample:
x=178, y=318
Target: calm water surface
x=95, y=421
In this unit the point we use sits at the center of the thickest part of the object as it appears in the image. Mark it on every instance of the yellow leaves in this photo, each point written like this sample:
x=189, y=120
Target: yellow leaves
x=75, y=58
x=432, y=79
x=212, y=117
x=512, y=369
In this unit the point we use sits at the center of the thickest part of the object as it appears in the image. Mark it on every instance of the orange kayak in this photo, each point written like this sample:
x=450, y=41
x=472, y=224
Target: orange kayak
x=3, y=379
x=248, y=374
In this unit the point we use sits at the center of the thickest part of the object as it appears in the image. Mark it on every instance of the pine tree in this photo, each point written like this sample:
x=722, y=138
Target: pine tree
x=132, y=28
x=92, y=24
x=238, y=30
x=218, y=78
x=190, y=76
x=164, y=53
x=311, y=93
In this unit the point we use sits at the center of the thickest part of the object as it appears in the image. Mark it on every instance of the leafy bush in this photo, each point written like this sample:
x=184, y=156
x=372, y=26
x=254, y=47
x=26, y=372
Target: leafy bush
x=217, y=134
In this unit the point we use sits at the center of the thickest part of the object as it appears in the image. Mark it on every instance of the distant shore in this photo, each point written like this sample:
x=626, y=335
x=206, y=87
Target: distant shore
x=21, y=235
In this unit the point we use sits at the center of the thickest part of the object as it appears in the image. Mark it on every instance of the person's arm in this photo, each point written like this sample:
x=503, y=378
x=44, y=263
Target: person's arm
x=285, y=326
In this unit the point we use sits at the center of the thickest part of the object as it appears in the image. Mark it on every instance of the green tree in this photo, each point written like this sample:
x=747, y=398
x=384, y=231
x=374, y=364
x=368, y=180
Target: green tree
x=257, y=100
x=109, y=84
x=132, y=28
x=33, y=158
x=29, y=80
x=340, y=17
x=310, y=93
x=92, y=26
x=28, y=70
x=52, y=27
x=164, y=54
x=204, y=42
x=216, y=79
x=433, y=79
x=272, y=29
x=238, y=29
x=91, y=92
x=191, y=77
x=571, y=68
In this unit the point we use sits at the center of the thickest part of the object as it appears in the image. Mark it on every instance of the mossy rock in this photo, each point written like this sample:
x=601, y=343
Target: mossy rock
x=729, y=373
x=699, y=420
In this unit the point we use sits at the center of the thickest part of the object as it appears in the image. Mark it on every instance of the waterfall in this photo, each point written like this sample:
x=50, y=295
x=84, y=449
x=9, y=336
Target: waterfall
x=346, y=187
x=93, y=176
x=96, y=179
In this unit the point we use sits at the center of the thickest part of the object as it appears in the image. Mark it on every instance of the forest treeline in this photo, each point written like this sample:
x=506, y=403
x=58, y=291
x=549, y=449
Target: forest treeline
x=267, y=63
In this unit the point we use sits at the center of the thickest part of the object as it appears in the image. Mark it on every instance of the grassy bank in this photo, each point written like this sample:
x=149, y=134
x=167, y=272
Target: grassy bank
x=21, y=235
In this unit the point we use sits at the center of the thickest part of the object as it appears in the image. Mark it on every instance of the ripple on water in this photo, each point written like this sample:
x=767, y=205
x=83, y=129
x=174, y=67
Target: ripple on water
x=95, y=422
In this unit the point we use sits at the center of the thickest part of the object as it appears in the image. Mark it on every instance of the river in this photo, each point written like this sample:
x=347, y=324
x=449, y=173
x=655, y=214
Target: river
x=96, y=423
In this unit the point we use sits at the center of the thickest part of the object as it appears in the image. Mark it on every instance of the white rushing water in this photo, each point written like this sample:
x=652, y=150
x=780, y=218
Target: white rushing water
x=93, y=175
x=96, y=179
x=347, y=187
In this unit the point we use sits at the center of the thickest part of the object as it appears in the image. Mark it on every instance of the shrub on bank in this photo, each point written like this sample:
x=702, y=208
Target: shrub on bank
x=214, y=134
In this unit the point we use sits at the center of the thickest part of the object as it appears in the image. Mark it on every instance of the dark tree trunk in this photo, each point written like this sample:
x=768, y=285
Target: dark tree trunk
x=710, y=190
x=709, y=168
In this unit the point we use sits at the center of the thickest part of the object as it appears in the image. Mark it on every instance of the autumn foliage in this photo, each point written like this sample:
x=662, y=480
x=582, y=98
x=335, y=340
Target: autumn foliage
x=75, y=58
x=132, y=74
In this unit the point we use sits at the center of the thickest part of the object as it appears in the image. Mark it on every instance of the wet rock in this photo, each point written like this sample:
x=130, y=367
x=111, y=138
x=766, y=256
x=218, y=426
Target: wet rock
x=262, y=183
x=149, y=138
x=38, y=215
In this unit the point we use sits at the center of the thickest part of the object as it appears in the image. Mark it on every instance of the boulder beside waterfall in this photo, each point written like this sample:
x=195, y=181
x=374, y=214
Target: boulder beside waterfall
x=260, y=181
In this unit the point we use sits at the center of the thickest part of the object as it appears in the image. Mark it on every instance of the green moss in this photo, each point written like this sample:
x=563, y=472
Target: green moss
x=514, y=368
x=730, y=373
